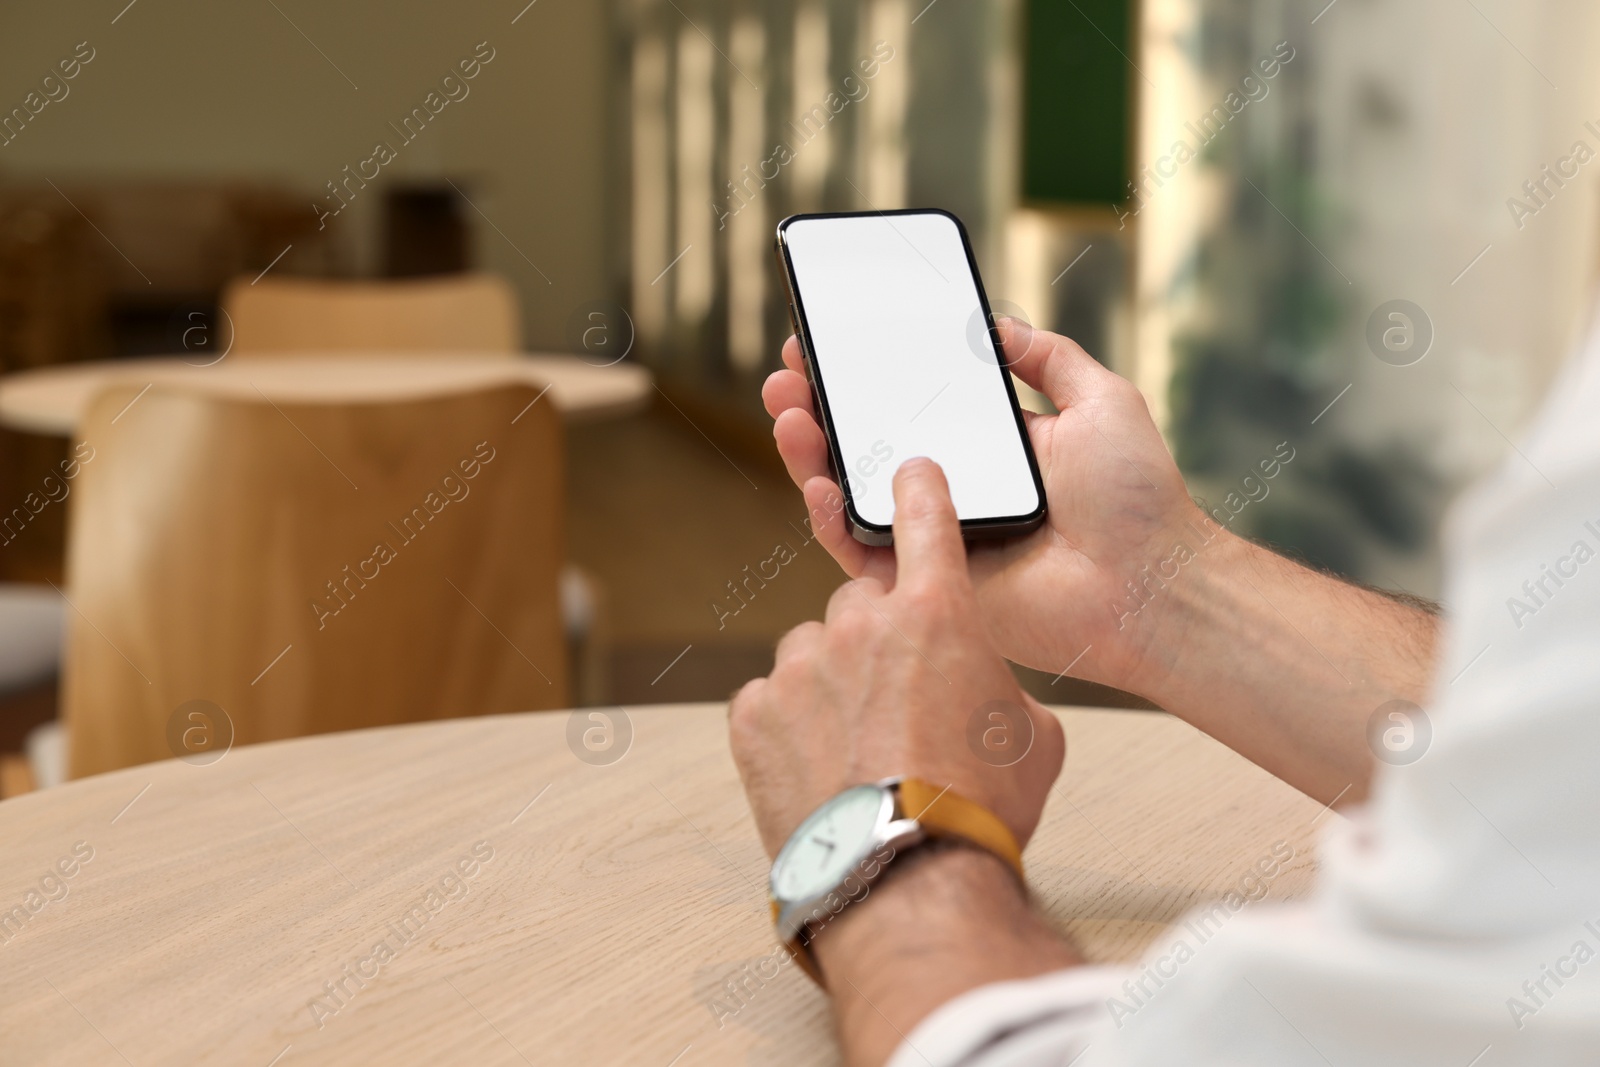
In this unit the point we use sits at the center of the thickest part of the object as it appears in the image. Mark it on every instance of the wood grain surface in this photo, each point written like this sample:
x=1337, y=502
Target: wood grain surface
x=609, y=910
x=53, y=400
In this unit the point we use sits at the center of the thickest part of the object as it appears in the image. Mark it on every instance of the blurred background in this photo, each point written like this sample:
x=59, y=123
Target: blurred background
x=1360, y=233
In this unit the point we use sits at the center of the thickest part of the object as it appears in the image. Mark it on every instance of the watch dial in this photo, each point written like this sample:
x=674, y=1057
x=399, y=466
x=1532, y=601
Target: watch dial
x=834, y=838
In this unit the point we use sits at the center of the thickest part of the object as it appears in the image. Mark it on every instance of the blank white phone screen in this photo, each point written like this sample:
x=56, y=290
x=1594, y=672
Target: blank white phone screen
x=903, y=354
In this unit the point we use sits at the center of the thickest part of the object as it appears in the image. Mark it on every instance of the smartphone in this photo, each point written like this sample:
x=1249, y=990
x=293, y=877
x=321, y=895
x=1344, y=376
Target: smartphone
x=904, y=360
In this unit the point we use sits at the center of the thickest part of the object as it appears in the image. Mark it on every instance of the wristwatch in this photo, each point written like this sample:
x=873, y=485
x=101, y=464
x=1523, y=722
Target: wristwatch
x=834, y=856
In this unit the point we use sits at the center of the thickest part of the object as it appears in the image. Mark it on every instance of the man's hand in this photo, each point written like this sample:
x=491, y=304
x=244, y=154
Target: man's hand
x=1130, y=584
x=890, y=684
x=1116, y=503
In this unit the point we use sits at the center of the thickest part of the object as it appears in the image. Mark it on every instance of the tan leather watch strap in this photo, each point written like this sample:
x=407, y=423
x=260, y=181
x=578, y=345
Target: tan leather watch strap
x=800, y=952
x=944, y=813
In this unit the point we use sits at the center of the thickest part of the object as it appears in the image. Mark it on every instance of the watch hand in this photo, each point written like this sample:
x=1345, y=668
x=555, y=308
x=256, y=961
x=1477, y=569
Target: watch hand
x=820, y=841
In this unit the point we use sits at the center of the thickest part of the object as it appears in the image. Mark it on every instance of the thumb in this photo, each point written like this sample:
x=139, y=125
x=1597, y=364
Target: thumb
x=1054, y=365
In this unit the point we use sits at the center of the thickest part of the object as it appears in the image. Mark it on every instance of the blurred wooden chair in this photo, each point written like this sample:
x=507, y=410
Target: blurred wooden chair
x=310, y=567
x=452, y=312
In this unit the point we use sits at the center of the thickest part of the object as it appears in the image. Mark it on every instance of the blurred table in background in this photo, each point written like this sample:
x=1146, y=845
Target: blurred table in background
x=566, y=887
x=52, y=400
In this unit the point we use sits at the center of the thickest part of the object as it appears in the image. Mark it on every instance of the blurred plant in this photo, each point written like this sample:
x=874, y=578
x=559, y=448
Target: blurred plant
x=1254, y=365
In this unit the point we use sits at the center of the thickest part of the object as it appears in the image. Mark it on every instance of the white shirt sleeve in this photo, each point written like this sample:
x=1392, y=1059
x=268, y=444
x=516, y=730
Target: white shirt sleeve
x=1457, y=917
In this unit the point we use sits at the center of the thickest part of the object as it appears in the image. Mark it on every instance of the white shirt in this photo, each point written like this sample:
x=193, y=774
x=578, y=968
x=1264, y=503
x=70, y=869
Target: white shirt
x=1457, y=916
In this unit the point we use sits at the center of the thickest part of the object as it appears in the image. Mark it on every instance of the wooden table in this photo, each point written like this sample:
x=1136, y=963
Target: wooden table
x=52, y=400
x=616, y=904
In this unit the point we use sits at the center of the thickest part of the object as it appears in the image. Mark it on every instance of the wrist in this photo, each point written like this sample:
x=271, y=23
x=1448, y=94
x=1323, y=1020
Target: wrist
x=1168, y=602
x=1281, y=663
x=945, y=918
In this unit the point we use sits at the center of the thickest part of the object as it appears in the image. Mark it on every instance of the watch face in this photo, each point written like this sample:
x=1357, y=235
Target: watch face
x=833, y=839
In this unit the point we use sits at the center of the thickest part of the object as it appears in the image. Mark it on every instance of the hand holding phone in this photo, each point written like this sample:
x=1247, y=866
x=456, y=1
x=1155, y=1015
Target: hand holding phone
x=904, y=360
x=1056, y=598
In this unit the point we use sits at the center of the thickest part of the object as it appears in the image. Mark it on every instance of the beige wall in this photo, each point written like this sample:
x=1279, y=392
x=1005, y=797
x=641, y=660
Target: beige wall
x=187, y=88
x=1434, y=123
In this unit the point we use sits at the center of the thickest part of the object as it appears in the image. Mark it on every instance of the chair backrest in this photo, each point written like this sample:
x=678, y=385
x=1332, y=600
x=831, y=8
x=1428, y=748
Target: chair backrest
x=453, y=312
x=309, y=567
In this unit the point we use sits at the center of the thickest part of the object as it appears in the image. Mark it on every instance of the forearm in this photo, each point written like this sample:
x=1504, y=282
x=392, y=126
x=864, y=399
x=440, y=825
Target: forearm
x=944, y=921
x=1280, y=663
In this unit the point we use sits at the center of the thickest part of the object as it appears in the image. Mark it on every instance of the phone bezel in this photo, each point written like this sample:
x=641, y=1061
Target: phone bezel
x=877, y=534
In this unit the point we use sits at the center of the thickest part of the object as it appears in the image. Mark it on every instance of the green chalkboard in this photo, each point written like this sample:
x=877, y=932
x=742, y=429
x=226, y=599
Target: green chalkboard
x=1077, y=100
